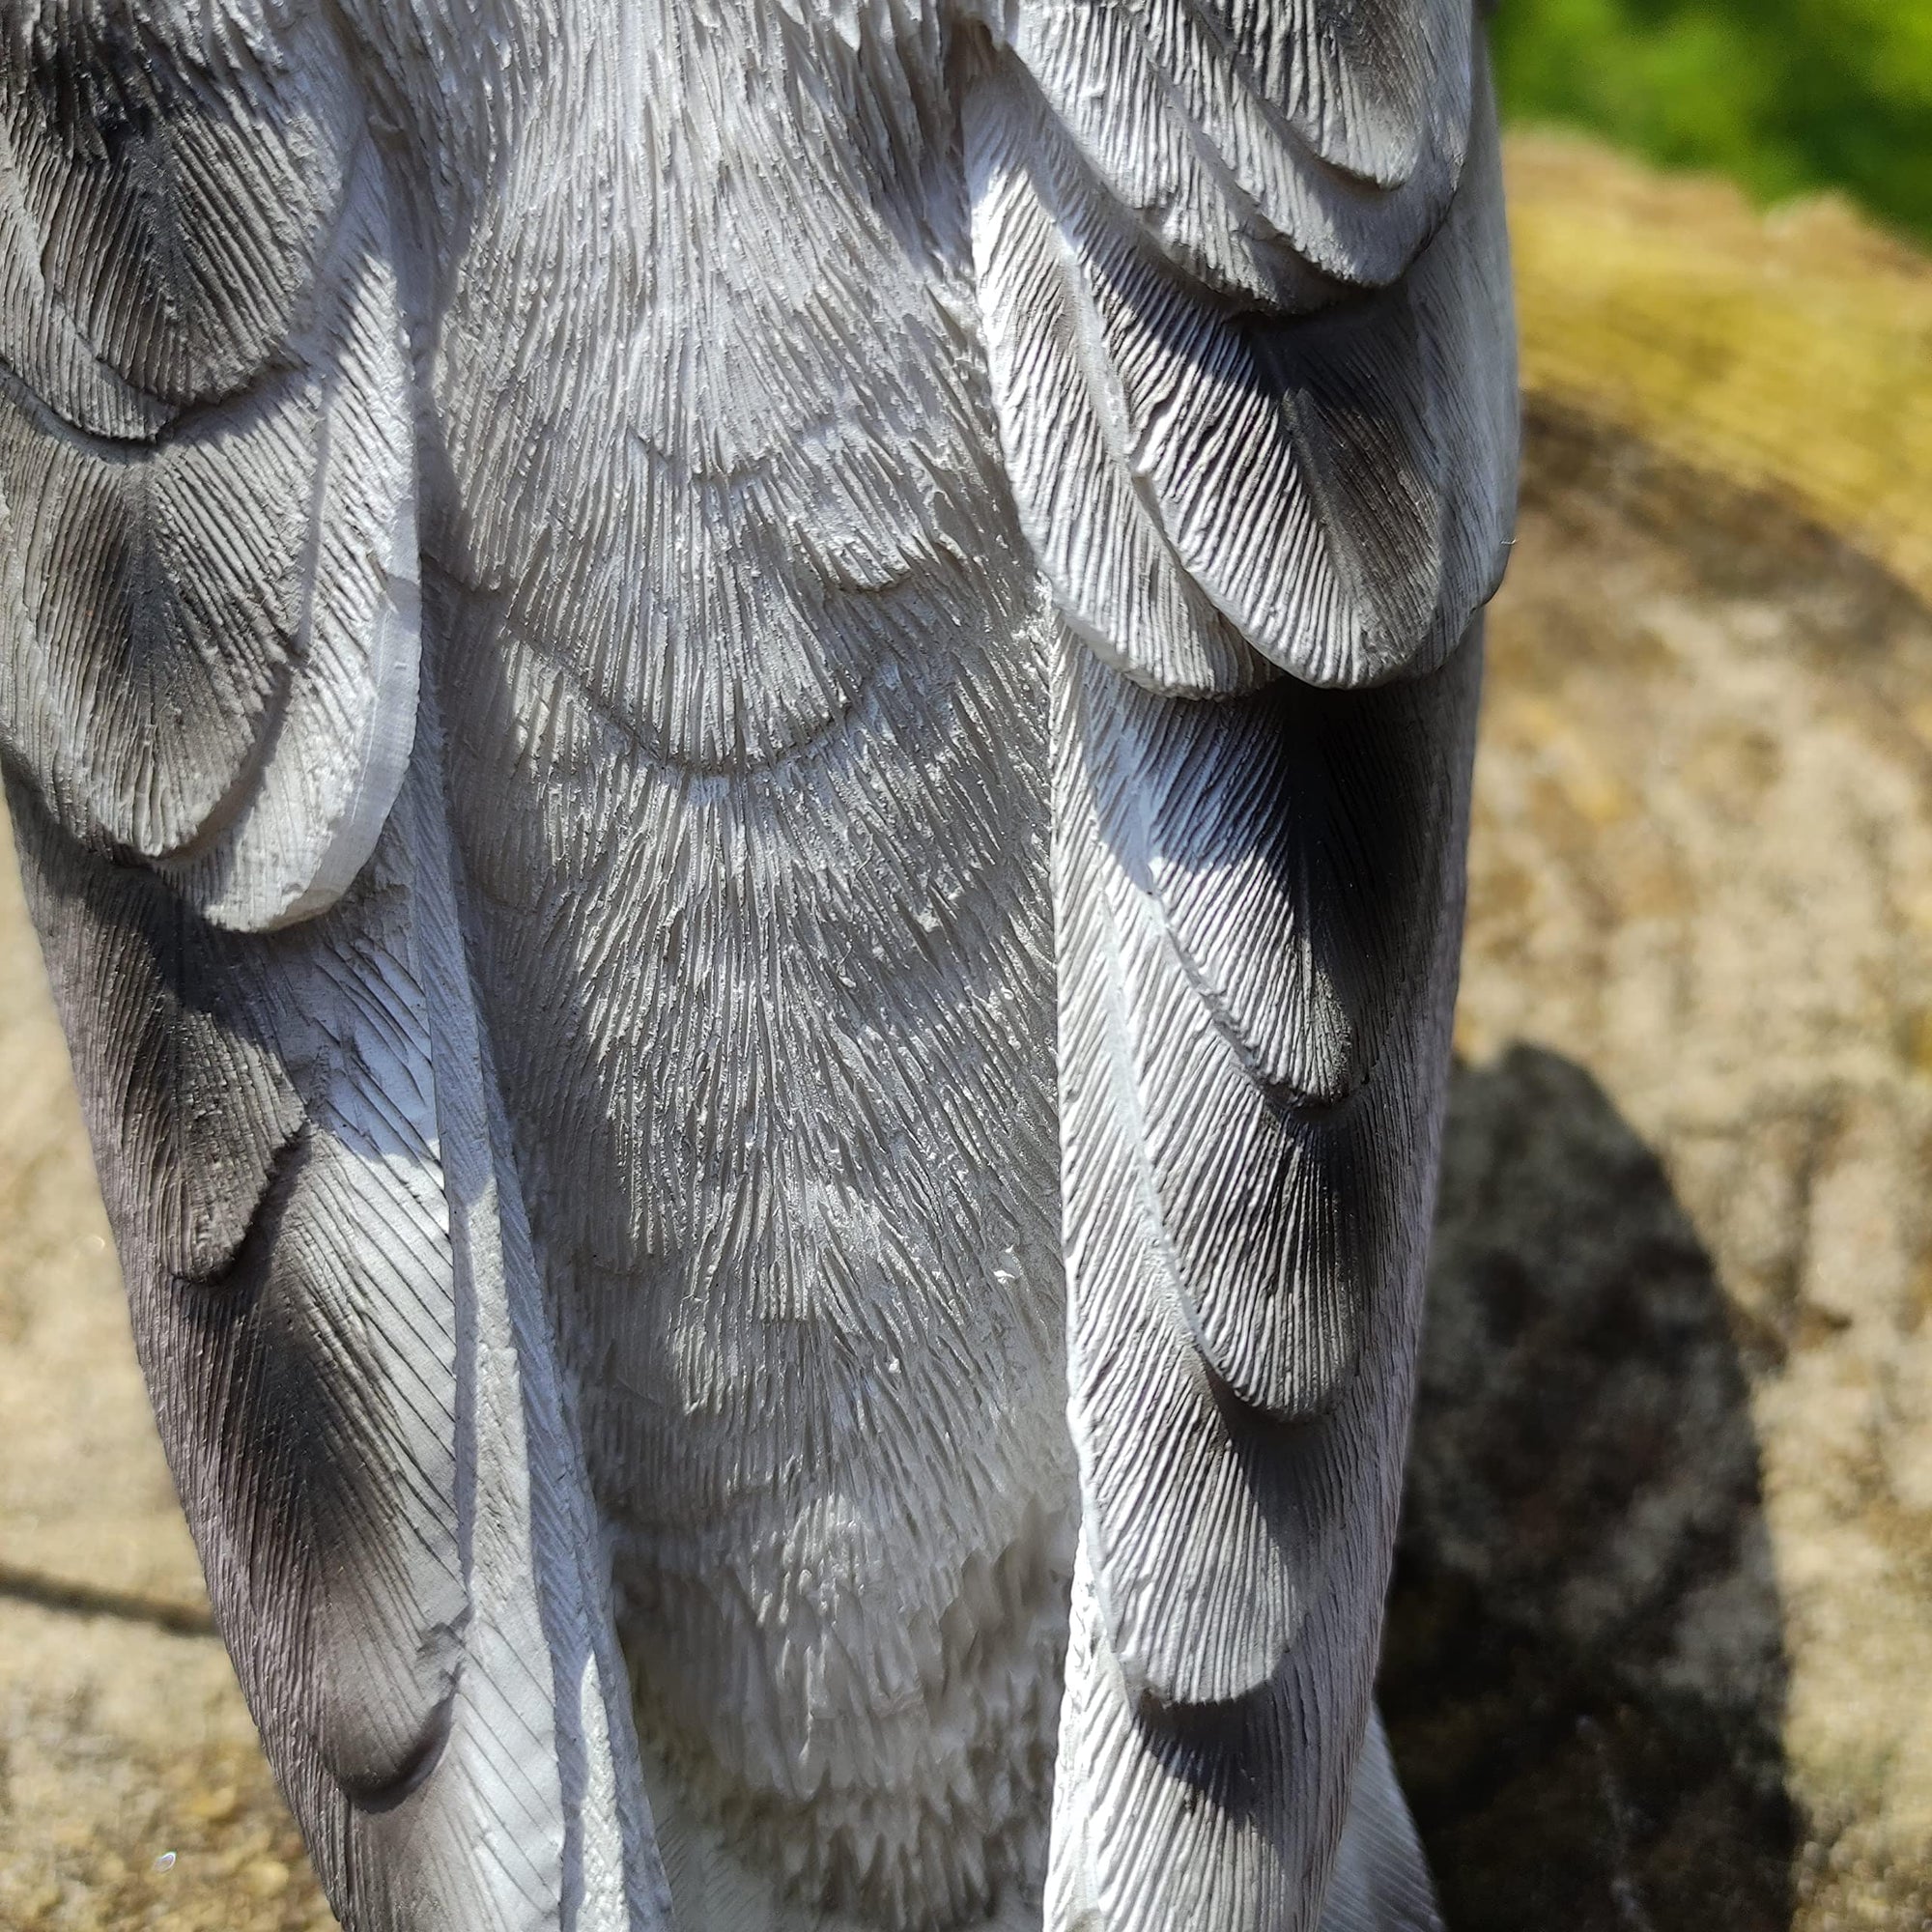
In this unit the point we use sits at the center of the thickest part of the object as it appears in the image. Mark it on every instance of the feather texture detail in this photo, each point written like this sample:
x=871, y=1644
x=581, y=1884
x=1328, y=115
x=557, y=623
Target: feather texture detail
x=207, y=552
x=1207, y=484
x=741, y=731
x=1278, y=153
x=1249, y=1132
x=356, y=1382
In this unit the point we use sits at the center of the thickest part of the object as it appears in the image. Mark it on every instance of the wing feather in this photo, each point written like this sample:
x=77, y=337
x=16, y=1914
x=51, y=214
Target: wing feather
x=1244, y=1269
x=1114, y=574
x=1240, y=1247
x=208, y=596
x=1337, y=486
x=1271, y=149
x=236, y=848
x=1244, y=291
x=339, y=1316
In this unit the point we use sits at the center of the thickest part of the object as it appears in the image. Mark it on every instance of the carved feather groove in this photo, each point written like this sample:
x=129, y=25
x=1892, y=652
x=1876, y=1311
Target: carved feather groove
x=1272, y=151
x=1244, y=1269
x=1246, y=321
x=1201, y=482
x=207, y=479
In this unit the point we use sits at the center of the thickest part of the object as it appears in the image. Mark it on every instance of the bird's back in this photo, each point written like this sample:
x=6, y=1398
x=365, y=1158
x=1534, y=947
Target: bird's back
x=743, y=664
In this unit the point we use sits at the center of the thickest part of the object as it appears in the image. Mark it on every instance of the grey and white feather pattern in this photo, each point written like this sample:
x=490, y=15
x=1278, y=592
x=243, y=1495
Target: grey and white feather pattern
x=741, y=733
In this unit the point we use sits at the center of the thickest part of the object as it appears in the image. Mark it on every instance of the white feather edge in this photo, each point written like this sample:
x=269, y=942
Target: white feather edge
x=341, y=746
x=1380, y=1881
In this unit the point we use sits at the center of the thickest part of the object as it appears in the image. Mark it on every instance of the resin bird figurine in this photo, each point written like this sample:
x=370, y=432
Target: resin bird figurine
x=741, y=735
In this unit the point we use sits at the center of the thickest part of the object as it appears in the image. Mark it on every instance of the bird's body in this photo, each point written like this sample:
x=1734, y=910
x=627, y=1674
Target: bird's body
x=741, y=733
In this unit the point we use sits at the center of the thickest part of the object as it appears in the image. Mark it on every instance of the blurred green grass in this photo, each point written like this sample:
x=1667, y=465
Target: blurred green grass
x=1784, y=95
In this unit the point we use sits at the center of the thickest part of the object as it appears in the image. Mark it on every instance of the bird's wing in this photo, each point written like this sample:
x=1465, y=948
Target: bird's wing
x=229, y=811
x=1244, y=292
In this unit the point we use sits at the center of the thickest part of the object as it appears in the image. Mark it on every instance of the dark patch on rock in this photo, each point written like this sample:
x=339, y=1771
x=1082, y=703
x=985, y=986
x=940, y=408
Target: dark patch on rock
x=1584, y=1474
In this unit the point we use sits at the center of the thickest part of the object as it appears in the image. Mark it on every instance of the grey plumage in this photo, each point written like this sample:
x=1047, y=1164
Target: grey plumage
x=741, y=733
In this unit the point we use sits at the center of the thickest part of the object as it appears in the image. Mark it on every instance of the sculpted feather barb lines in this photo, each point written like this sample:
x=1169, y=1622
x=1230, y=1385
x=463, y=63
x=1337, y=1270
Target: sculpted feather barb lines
x=741, y=736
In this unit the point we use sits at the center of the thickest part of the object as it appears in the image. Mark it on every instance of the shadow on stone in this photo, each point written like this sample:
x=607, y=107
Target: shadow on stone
x=1583, y=1672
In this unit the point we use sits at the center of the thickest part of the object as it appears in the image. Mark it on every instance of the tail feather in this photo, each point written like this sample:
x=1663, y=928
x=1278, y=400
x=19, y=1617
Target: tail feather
x=1382, y=1881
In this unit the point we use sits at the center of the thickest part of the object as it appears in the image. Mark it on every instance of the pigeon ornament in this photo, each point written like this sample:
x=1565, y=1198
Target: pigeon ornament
x=741, y=733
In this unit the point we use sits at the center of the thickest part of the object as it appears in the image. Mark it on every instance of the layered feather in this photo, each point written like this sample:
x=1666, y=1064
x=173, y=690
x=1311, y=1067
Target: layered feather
x=208, y=631
x=1246, y=343
x=208, y=659
x=337, y=1310
x=1244, y=292
x=1207, y=482
x=1272, y=148
x=1254, y=1033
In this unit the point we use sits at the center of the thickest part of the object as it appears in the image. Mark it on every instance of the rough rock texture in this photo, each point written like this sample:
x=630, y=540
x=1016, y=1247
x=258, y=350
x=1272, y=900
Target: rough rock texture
x=1663, y=1628
x=1664, y=1624
x=1660, y=1636
x=133, y=1791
